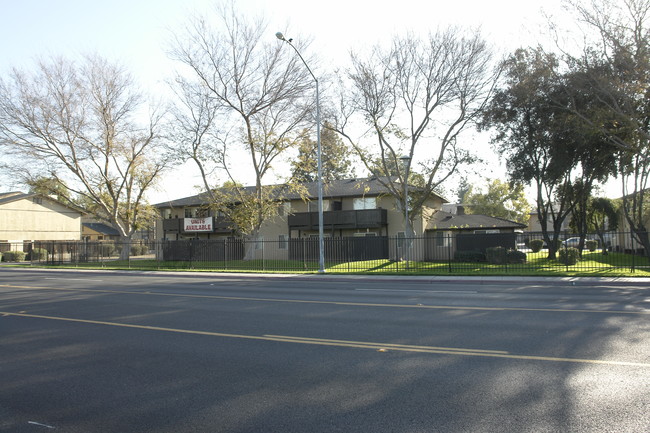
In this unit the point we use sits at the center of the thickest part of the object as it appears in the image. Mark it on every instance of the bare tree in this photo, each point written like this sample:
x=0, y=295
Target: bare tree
x=76, y=125
x=240, y=91
x=414, y=99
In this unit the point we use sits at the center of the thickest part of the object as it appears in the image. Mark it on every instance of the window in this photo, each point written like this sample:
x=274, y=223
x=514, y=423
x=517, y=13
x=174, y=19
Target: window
x=365, y=235
x=191, y=212
x=284, y=209
x=442, y=239
x=166, y=213
x=400, y=239
x=282, y=242
x=37, y=200
x=313, y=205
x=364, y=203
x=486, y=232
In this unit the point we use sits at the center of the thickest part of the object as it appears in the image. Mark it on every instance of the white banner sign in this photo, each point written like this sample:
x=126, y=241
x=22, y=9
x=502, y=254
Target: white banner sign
x=197, y=224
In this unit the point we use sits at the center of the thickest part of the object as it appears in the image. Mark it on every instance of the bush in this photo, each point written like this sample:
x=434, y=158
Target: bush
x=496, y=255
x=591, y=245
x=37, y=254
x=13, y=256
x=139, y=249
x=516, y=257
x=536, y=245
x=469, y=256
x=568, y=256
x=106, y=249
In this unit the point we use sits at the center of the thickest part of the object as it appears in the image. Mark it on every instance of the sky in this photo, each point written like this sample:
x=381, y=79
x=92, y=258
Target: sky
x=136, y=33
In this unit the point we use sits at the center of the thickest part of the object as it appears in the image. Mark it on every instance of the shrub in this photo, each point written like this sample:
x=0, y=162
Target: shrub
x=496, y=255
x=37, y=254
x=138, y=249
x=517, y=257
x=13, y=256
x=469, y=256
x=591, y=245
x=106, y=248
x=536, y=245
x=568, y=256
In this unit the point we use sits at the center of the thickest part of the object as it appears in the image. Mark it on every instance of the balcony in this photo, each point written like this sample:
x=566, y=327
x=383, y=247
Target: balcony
x=175, y=225
x=340, y=219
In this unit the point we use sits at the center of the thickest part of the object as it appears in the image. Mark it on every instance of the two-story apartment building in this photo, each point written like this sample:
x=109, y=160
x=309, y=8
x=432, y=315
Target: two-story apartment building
x=351, y=208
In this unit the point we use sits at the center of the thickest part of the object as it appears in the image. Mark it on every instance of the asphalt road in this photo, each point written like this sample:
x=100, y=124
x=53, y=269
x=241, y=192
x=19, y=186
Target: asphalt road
x=132, y=352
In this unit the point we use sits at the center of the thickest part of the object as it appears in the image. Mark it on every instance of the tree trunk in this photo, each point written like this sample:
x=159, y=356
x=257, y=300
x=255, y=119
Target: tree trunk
x=125, y=243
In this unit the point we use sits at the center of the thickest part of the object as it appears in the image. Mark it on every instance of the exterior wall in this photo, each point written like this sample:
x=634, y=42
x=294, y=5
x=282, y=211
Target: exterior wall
x=27, y=219
x=273, y=229
x=536, y=227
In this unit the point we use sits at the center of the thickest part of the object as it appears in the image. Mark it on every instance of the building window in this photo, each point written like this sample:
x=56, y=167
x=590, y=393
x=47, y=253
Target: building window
x=365, y=235
x=364, y=203
x=284, y=209
x=486, y=232
x=442, y=239
x=313, y=206
x=400, y=239
x=37, y=200
x=190, y=212
x=166, y=213
x=282, y=242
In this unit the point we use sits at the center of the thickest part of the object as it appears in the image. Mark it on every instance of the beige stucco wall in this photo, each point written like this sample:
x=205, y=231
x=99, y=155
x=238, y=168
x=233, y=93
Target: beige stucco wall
x=27, y=220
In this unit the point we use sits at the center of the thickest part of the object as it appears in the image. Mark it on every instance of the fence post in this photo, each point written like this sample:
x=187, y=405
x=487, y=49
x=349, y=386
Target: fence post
x=450, y=245
x=633, y=250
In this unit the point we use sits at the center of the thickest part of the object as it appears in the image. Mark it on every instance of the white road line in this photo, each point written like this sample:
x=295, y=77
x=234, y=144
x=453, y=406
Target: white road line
x=73, y=279
x=39, y=424
x=419, y=291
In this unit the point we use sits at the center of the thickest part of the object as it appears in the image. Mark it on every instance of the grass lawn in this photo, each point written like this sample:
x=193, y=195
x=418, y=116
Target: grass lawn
x=592, y=264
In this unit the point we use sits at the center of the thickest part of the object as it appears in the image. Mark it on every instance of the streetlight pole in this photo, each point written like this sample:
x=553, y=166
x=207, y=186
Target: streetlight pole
x=407, y=229
x=321, y=243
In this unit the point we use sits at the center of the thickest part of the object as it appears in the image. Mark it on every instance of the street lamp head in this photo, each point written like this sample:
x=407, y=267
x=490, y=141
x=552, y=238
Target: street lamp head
x=280, y=36
x=405, y=159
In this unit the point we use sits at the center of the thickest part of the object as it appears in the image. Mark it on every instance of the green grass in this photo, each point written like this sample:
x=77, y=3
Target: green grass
x=592, y=264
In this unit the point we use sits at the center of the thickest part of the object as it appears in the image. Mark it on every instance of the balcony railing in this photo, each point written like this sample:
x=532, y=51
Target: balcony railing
x=340, y=219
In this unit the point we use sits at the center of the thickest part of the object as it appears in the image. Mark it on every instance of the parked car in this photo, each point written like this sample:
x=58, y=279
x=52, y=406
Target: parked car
x=573, y=242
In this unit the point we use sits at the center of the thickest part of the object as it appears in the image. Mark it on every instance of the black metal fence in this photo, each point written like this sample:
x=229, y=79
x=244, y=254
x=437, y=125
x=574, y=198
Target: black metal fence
x=436, y=253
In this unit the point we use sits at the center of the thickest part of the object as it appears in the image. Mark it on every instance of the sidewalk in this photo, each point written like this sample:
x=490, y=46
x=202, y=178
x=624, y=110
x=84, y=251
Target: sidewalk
x=424, y=279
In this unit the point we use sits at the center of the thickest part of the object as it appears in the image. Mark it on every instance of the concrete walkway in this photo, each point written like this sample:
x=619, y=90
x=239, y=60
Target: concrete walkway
x=431, y=279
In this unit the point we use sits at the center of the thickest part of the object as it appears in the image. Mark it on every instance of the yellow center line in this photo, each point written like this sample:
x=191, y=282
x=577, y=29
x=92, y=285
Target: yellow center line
x=342, y=343
x=350, y=304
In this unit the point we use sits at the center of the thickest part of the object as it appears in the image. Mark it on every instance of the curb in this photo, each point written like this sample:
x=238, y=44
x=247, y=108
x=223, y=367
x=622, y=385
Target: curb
x=424, y=279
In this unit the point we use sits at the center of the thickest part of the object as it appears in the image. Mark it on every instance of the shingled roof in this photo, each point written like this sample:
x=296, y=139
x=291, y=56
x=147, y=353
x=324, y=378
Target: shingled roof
x=368, y=187
x=448, y=221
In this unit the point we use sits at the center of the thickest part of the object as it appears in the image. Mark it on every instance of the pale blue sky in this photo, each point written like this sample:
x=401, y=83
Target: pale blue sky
x=135, y=33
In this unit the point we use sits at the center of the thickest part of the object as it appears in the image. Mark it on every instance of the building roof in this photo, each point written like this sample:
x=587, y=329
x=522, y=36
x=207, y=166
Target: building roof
x=448, y=221
x=367, y=187
x=101, y=228
x=8, y=197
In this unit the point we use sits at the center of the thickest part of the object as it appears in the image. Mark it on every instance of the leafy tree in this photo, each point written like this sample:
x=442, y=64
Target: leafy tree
x=614, y=65
x=528, y=132
x=76, y=125
x=602, y=216
x=335, y=158
x=502, y=200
